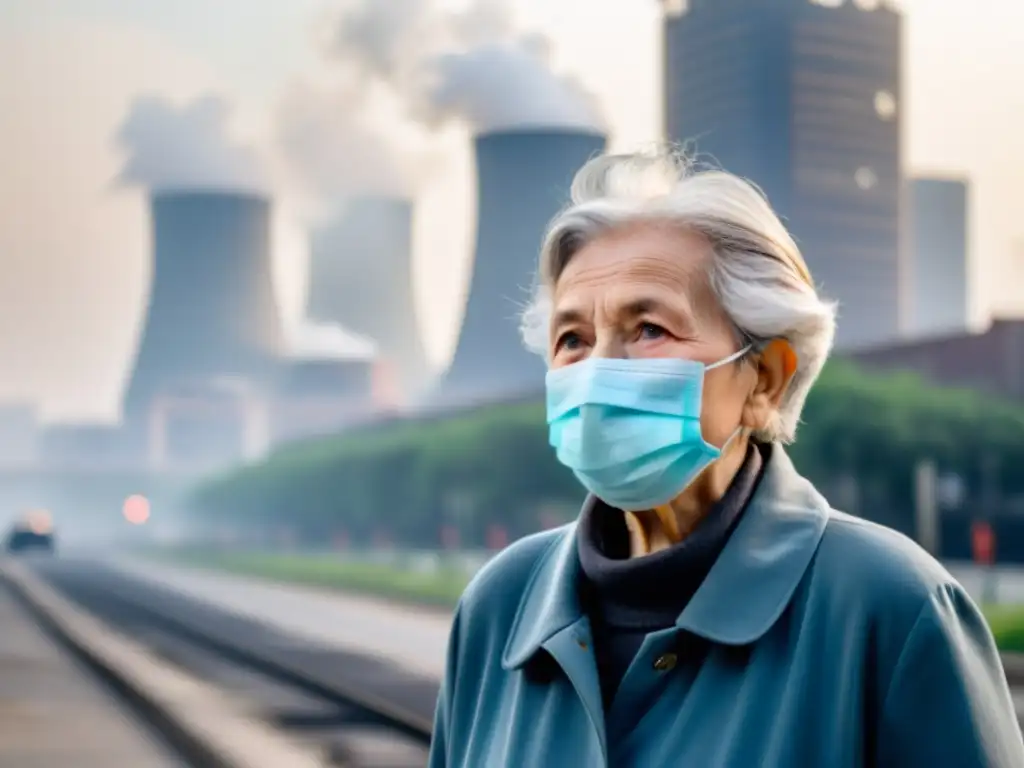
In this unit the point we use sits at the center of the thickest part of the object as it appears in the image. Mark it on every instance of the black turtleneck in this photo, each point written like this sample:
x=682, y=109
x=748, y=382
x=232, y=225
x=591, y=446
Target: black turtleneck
x=626, y=598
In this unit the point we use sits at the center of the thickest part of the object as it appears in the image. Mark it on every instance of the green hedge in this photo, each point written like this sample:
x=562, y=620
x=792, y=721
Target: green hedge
x=404, y=477
x=1007, y=624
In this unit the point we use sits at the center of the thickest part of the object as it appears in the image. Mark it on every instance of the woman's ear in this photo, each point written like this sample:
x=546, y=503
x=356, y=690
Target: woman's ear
x=775, y=366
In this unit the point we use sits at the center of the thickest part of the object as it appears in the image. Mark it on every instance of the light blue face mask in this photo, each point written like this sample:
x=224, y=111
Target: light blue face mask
x=629, y=429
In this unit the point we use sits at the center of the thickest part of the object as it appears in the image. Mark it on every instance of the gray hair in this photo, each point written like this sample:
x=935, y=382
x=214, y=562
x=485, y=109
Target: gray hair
x=758, y=274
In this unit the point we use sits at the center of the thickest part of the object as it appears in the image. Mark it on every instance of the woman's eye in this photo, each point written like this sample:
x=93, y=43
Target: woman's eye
x=568, y=341
x=651, y=331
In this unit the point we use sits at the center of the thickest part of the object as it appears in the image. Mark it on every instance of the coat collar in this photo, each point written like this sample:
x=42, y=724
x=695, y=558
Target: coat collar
x=744, y=594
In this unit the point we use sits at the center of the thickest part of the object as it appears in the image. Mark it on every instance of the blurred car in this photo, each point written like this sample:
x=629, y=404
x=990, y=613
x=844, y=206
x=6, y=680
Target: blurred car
x=33, y=533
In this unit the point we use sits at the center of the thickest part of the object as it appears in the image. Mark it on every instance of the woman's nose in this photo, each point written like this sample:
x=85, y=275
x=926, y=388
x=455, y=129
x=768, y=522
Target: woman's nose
x=609, y=345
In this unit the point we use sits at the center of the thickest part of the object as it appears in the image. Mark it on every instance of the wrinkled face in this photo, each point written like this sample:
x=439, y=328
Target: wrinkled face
x=643, y=291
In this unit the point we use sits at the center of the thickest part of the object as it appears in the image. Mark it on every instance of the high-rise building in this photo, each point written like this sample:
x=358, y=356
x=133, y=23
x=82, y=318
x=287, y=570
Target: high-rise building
x=938, y=256
x=803, y=97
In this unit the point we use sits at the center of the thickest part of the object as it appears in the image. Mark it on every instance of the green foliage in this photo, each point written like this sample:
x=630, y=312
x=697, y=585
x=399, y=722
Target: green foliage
x=880, y=426
x=494, y=465
x=1007, y=625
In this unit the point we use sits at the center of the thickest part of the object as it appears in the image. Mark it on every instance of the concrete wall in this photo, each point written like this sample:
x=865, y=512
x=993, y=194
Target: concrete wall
x=212, y=309
x=361, y=278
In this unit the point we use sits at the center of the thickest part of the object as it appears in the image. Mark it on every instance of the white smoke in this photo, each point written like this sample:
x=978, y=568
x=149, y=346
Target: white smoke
x=306, y=339
x=476, y=66
x=402, y=68
x=186, y=147
x=504, y=85
x=332, y=147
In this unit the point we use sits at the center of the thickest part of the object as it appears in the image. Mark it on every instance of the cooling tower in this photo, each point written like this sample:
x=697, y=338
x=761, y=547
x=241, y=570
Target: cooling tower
x=360, y=277
x=523, y=180
x=212, y=310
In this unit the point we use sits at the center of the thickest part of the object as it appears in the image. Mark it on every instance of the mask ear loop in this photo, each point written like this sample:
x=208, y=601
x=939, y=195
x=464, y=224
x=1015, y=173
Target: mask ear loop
x=729, y=439
x=731, y=358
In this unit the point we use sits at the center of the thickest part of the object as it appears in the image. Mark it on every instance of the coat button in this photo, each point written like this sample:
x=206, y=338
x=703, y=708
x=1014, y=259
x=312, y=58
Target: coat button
x=666, y=662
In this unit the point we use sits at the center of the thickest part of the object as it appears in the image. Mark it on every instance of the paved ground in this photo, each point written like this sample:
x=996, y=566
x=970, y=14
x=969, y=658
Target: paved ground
x=53, y=714
x=414, y=638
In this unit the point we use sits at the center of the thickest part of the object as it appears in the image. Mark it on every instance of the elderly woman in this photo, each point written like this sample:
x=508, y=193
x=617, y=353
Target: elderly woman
x=708, y=608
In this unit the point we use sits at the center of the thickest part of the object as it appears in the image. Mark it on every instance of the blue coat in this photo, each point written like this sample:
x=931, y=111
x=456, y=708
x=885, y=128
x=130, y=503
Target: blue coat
x=817, y=639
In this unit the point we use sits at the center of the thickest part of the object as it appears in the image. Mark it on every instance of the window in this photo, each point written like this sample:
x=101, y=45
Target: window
x=885, y=105
x=867, y=5
x=865, y=177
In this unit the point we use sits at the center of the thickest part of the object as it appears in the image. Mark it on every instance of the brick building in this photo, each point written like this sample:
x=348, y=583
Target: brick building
x=990, y=362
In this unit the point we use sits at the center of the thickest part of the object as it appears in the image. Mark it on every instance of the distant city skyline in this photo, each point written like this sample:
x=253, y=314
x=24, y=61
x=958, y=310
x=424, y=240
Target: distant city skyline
x=74, y=251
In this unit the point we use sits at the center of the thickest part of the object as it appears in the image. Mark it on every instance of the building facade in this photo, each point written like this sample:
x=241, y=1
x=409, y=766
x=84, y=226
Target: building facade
x=938, y=256
x=321, y=395
x=991, y=362
x=205, y=425
x=803, y=97
x=84, y=446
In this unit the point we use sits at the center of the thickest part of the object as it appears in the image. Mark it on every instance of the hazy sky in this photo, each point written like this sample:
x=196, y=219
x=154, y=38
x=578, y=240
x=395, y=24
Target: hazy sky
x=74, y=245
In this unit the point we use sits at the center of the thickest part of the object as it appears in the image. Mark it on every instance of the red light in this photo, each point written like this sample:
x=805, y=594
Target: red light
x=136, y=509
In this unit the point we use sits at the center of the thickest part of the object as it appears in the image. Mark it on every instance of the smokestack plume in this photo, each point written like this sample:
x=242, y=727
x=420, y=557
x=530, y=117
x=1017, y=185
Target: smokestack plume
x=334, y=149
x=475, y=66
x=524, y=178
x=186, y=147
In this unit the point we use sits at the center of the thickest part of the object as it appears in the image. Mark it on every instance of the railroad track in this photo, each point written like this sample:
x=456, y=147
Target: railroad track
x=357, y=710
